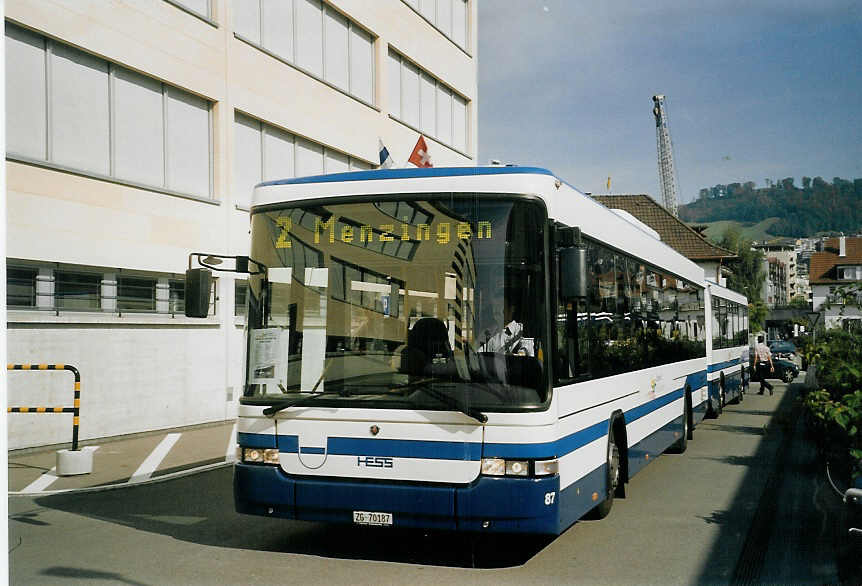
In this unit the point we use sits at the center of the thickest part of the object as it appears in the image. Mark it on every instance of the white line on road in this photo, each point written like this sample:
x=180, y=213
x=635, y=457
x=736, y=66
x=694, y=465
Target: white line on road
x=148, y=466
x=230, y=455
x=48, y=478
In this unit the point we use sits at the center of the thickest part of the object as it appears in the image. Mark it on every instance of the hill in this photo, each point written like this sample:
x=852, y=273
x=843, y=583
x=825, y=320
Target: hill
x=759, y=231
x=818, y=206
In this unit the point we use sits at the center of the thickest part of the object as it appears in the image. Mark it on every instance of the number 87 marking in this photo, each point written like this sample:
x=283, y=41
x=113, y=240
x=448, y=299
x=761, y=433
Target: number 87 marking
x=549, y=498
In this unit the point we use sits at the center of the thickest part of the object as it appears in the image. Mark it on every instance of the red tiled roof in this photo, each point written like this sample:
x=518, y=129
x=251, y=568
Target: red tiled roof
x=822, y=270
x=673, y=231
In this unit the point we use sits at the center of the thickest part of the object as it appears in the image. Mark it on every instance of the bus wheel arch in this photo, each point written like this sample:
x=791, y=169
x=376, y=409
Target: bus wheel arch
x=616, y=466
x=680, y=445
x=689, y=414
x=618, y=432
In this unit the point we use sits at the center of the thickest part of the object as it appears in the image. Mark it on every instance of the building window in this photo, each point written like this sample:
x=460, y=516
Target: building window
x=240, y=297
x=21, y=287
x=77, y=290
x=177, y=296
x=80, y=288
x=73, y=109
x=421, y=101
x=136, y=294
x=264, y=153
x=447, y=16
x=314, y=37
x=199, y=7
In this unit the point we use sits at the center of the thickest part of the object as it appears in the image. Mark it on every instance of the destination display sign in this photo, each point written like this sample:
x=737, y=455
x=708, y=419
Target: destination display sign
x=333, y=230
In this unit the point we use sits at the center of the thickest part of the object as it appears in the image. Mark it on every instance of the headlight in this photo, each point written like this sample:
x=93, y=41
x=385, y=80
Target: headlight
x=517, y=468
x=260, y=456
x=547, y=467
x=502, y=467
x=493, y=467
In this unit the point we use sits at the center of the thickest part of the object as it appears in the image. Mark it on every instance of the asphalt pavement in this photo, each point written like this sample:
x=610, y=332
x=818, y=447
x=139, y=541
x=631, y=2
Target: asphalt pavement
x=127, y=460
x=783, y=525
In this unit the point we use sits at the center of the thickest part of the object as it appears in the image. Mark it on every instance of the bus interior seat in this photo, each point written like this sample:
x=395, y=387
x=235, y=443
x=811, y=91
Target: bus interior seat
x=428, y=349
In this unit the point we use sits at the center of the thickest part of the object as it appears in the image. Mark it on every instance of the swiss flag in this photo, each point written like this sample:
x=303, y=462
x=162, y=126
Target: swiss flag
x=419, y=156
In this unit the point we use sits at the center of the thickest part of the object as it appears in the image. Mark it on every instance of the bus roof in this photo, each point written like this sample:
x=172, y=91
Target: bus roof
x=564, y=202
x=410, y=173
x=725, y=293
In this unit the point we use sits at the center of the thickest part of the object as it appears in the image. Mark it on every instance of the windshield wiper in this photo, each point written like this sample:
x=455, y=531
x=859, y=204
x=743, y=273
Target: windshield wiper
x=424, y=385
x=299, y=402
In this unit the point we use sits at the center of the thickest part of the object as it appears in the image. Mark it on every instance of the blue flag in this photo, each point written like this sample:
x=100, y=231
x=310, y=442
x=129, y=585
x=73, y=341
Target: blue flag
x=385, y=159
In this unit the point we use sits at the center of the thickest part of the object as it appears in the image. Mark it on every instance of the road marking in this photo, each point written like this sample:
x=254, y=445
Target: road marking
x=148, y=466
x=43, y=482
x=230, y=455
x=48, y=478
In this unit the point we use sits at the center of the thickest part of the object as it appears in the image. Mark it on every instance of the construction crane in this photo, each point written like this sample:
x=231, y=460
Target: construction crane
x=666, y=168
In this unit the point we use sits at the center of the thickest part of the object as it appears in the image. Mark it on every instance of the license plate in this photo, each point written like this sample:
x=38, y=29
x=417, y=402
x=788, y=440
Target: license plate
x=372, y=518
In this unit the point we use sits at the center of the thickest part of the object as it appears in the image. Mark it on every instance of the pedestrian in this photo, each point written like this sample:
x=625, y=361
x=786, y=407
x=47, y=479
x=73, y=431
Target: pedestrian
x=762, y=358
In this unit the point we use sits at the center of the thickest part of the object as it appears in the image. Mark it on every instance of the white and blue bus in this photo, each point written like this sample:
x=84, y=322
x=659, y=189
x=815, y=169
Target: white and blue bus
x=480, y=349
x=727, y=341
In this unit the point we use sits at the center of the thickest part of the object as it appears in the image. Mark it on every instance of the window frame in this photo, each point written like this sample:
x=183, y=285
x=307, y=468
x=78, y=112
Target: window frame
x=635, y=317
x=48, y=158
x=265, y=130
x=440, y=89
x=293, y=59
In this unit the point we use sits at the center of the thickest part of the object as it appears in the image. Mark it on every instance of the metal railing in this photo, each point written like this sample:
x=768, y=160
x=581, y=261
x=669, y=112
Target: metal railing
x=75, y=409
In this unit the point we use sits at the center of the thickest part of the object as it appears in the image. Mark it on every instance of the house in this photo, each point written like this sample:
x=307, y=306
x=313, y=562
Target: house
x=673, y=232
x=835, y=273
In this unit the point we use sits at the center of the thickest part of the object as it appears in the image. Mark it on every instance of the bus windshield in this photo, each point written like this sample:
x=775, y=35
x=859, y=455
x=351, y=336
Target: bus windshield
x=433, y=302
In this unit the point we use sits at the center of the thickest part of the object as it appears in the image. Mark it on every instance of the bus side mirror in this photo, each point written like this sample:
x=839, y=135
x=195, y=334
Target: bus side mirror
x=573, y=272
x=198, y=286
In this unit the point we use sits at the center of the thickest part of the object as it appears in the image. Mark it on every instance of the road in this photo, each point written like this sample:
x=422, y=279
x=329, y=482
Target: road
x=708, y=516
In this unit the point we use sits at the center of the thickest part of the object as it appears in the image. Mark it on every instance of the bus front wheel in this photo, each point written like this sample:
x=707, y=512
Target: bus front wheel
x=680, y=445
x=613, y=480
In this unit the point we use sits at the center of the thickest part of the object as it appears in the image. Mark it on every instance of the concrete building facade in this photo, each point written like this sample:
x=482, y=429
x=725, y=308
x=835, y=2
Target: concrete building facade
x=781, y=273
x=135, y=133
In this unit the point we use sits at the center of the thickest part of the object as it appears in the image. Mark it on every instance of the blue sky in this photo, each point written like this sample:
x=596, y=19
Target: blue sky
x=755, y=89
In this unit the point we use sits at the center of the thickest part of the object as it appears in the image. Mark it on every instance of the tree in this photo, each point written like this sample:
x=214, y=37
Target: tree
x=747, y=276
x=849, y=295
x=799, y=302
x=757, y=311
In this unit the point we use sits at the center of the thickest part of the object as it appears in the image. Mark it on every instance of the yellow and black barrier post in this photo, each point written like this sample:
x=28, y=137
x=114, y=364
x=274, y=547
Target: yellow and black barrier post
x=71, y=461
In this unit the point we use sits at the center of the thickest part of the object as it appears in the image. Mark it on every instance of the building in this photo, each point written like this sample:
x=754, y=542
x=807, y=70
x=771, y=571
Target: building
x=836, y=272
x=782, y=275
x=673, y=232
x=775, y=286
x=135, y=133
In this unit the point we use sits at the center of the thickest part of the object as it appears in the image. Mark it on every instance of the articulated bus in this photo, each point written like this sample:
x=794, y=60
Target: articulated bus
x=727, y=342
x=479, y=349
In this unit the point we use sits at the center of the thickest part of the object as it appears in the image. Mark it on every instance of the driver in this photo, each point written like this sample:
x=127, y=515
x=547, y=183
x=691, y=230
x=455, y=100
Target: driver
x=509, y=337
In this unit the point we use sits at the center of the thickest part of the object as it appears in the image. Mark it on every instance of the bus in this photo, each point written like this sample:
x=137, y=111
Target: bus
x=727, y=341
x=482, y=349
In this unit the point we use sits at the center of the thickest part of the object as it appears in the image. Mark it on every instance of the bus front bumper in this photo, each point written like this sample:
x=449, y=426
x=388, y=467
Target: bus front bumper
x=489, y=504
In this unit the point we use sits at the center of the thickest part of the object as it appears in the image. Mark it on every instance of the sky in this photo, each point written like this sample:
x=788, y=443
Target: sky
x=755, y=89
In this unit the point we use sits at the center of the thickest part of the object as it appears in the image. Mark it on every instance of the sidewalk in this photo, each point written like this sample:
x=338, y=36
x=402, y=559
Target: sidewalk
x=128, y=461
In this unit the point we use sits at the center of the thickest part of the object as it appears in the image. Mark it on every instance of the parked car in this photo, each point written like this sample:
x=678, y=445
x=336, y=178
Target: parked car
x=785, y=369
x=783, y=349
